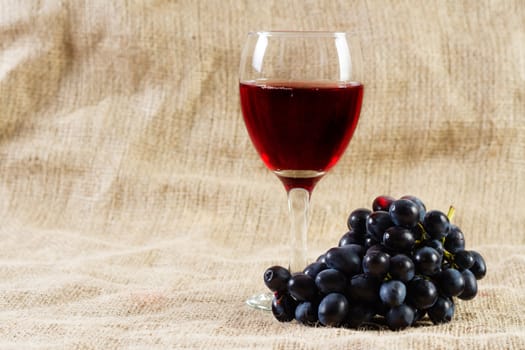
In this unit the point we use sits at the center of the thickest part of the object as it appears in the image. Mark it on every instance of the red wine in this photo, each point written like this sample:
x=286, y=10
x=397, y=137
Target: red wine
x=300, y=129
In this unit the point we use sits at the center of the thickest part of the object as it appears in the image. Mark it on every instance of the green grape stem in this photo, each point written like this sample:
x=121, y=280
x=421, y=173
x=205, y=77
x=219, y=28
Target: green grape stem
x=451, y=212
x=424, y=236
x=448, y=255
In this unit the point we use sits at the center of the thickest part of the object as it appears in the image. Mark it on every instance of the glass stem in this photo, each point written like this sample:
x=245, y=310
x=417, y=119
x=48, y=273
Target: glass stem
x=298, y=205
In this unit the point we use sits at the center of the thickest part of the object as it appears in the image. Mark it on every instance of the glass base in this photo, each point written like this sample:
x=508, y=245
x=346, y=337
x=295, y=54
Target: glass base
x=262, y=301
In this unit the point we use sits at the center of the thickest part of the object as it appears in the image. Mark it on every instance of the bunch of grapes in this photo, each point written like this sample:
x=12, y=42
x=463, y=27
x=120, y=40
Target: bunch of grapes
x=397, y=264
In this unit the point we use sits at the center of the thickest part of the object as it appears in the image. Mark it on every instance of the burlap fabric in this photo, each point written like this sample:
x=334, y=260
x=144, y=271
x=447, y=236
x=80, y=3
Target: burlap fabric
x=134, y=212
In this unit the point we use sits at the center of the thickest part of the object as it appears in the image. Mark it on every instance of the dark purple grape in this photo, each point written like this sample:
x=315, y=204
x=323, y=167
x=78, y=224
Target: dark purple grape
x=283, y=308
x=436, y=224
x=479, y=269
x=471, y=286
x=321, y=258
x=302, y=287
x=399, y=239
x=450, y=282
x=392, y=293
x=464, y=259
x=427, y=261
x=376, y=263
x=421, y=206
x=276, y=278
x=404, y=213
x=306, y=313
x=402, y=268
x=421, y=293
x=377, y=223
x=382, y=203
x=314, y=268
x=364, y=288
x=331, y=281
x=351, y=238
x=455, y=240
x=356, y=248
x=399, y=317
x=442, y=311
x=333, y=310
x=357, y=220
x=344, y=260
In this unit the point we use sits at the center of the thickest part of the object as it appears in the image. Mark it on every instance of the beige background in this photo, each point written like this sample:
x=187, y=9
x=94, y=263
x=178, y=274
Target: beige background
x=135, y=213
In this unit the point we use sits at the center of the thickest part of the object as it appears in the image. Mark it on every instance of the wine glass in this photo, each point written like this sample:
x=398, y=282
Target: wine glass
x=301, y=102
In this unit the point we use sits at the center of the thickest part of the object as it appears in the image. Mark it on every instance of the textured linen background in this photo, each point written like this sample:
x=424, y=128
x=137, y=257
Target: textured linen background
x=135, y=213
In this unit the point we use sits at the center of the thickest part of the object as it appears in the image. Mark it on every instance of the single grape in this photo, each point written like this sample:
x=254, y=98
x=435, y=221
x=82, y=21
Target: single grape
x=276, y=278
x=464, y=259
x=442, y=311
x=331, y=281
x=399, y=239
x=436, y=224
x=427, y=261
x=471, y=286
x=399, y=317
x=377, y=223
x=355, y=248
x=321, y=258
x=402, y=268
x=302, y=287
x=283, y=307
x=450, y=282
x=479, y=269
x=377, y=264
x=351, y=238
x=382, y=203
x=421, y=206
x=344, y=260
x=392, y=293
x=421, y=293
x=333, y=310
x=364, y=288
x=306, y=313
x=455, y=240
x=358, y=315
x=357, y=220
x=404, y=213
x=314, y=268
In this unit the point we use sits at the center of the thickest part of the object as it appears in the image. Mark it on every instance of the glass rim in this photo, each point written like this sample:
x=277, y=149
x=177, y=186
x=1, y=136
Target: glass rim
x=298, y=33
